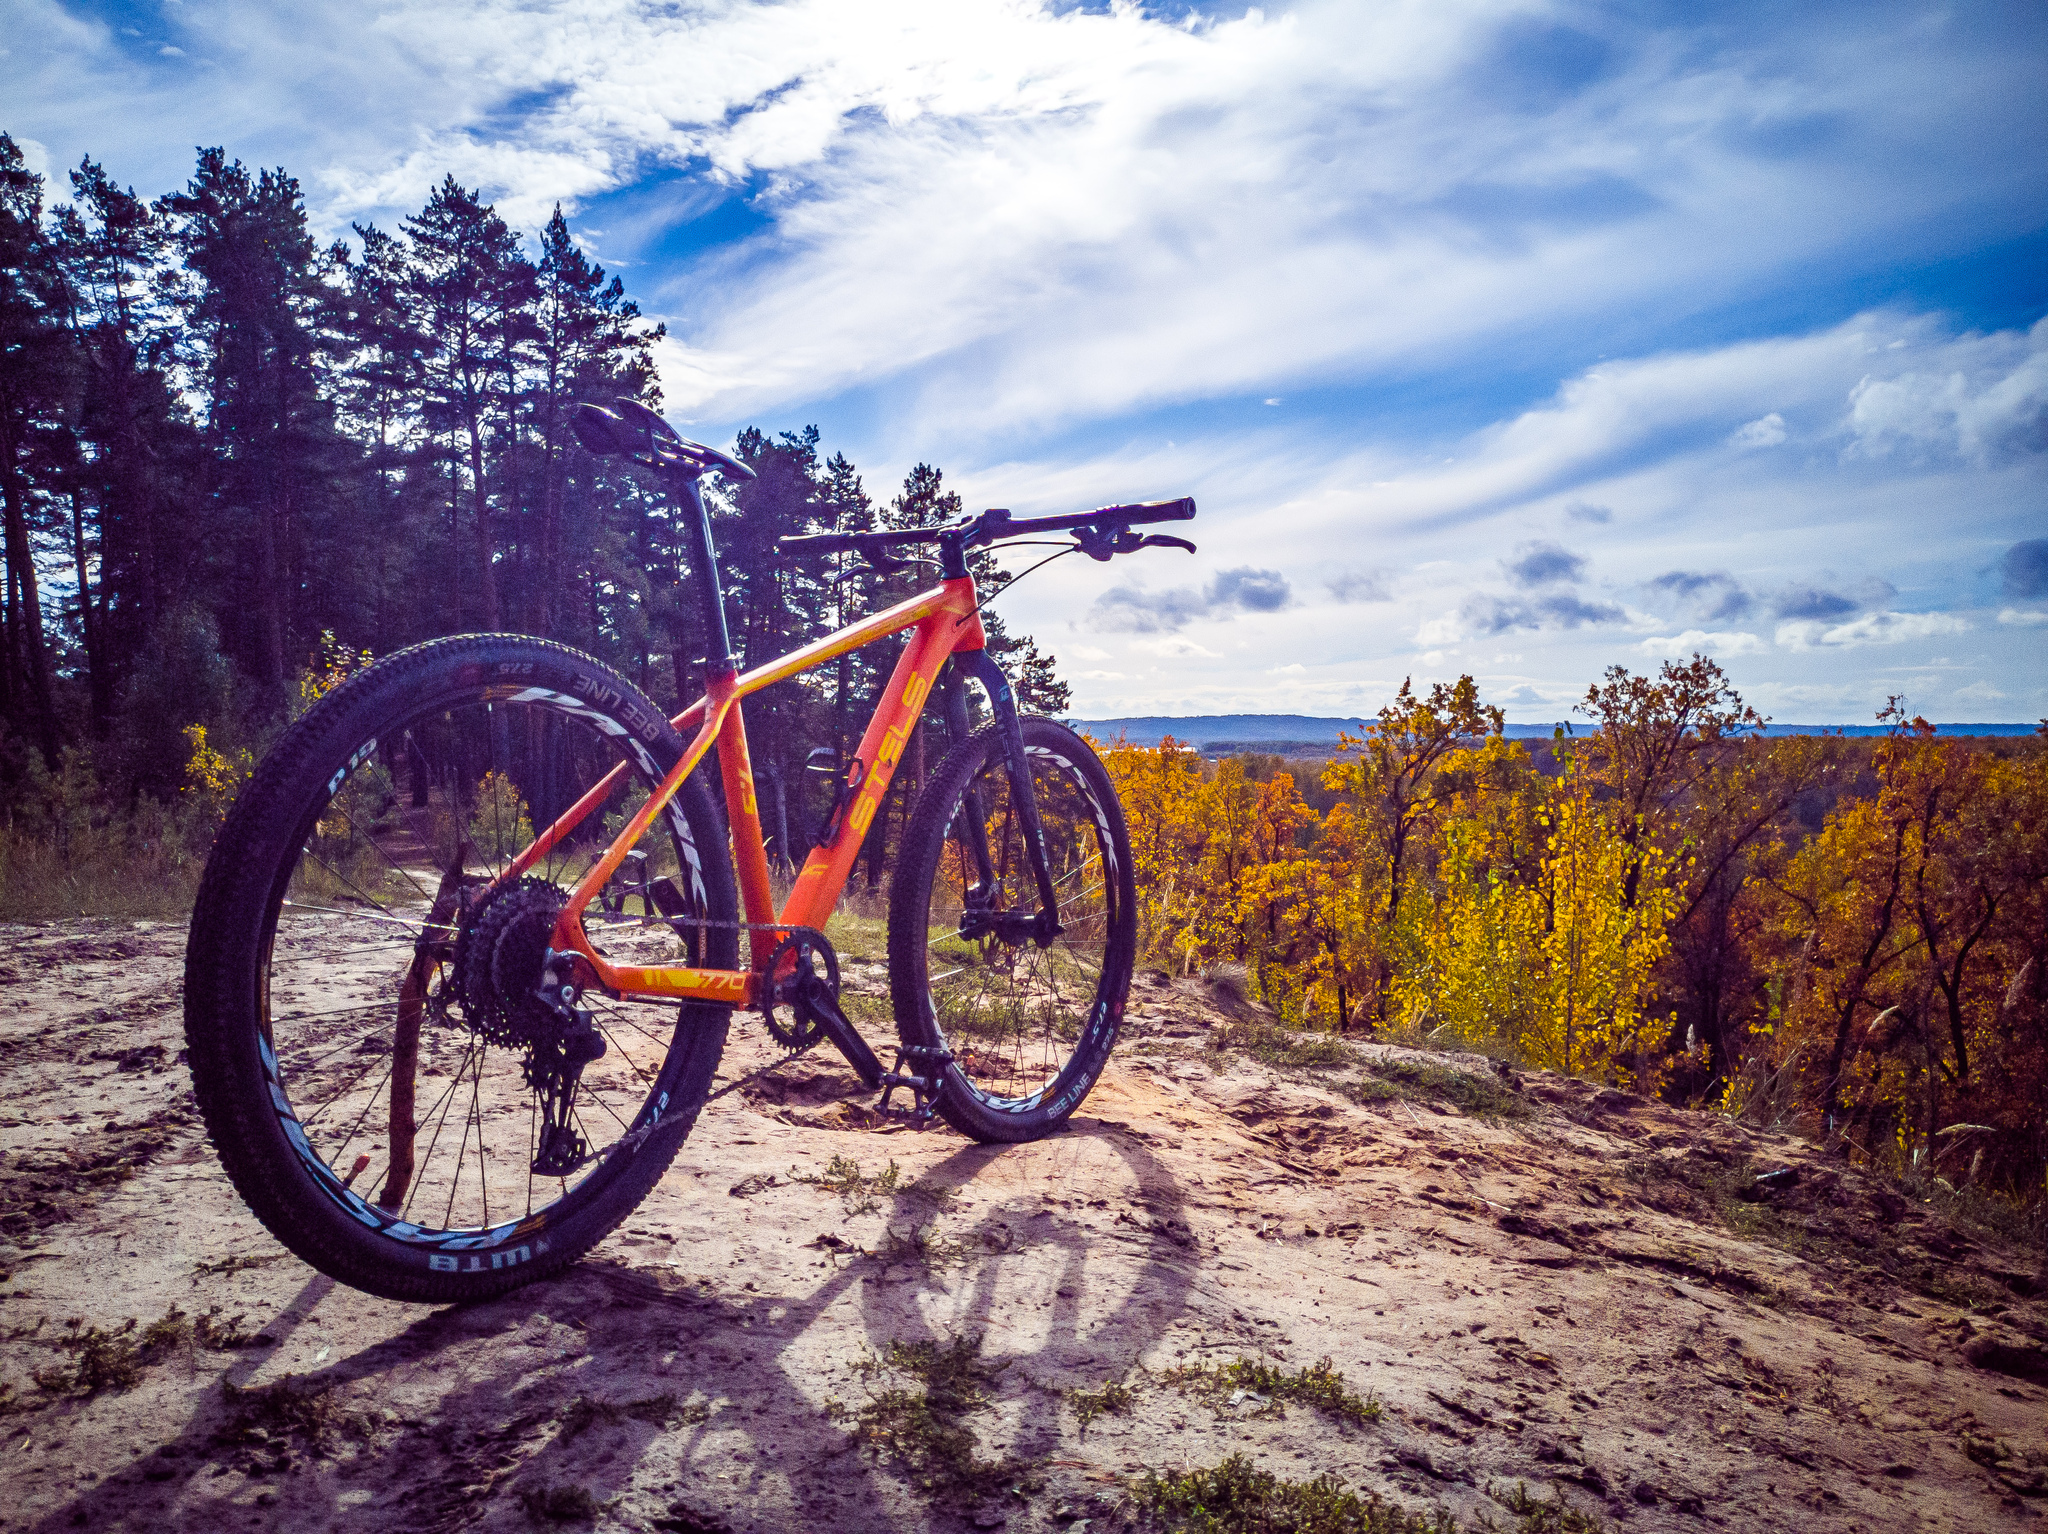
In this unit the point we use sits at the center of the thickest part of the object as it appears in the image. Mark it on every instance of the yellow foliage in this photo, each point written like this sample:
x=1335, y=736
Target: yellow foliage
x=333, y=663
x=212, y=779
x=501, y=825
x=1599, y=951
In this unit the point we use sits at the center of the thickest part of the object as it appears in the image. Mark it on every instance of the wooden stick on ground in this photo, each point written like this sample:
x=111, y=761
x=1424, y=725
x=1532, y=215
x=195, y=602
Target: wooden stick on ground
x=437, y=942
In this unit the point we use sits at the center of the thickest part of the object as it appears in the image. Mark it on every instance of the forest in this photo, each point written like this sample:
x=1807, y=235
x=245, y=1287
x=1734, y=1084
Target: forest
x=1849, y=937
x=237, y=463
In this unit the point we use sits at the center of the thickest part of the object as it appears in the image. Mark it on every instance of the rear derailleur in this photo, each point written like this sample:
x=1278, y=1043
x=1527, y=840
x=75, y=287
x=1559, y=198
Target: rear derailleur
x=554, y=1065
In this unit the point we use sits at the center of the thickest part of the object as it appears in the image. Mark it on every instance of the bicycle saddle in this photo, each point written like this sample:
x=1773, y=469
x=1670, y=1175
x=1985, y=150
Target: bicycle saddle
x=633, y=431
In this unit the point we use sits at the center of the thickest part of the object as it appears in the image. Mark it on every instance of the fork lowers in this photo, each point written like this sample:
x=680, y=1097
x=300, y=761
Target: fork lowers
x=1009, y=1003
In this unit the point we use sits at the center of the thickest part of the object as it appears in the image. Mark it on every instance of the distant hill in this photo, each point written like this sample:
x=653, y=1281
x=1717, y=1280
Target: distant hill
x=1288, y=734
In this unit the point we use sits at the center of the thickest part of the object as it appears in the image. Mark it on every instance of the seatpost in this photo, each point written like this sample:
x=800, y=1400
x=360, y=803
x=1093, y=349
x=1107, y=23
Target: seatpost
x=719, y=661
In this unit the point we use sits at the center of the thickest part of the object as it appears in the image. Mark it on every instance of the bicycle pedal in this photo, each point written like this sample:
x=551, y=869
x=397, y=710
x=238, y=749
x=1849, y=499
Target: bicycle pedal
x=924, y=1090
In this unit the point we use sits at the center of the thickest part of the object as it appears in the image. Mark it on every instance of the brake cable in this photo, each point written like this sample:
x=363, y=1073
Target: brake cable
x=1022, y=543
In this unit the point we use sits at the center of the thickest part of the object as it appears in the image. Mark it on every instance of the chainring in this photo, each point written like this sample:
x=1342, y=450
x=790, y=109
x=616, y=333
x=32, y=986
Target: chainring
x=802, y=1030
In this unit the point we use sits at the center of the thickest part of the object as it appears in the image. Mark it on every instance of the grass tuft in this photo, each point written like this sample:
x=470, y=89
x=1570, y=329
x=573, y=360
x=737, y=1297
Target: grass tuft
x=263, y=1414
x=584, y=1413
x=1533, y=1515
x=1318, y=1386
x=559, y=1503
x=920, y=1426
x=1271, y=1044
x=1482, y=1096
x=1236, y=1497
x=1113, y=1399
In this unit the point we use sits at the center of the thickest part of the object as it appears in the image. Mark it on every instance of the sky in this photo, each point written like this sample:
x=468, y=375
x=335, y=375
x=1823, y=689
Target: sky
x=1517, y=339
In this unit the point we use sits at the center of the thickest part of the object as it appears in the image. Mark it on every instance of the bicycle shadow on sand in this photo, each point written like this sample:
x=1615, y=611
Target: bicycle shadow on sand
x=702, y=1403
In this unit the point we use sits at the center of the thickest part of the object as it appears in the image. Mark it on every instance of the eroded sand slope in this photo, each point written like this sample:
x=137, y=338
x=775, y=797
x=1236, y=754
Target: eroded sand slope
x=1575, y=1293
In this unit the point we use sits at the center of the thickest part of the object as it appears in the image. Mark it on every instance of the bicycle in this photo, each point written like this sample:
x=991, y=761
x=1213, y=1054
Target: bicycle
x=379, y=922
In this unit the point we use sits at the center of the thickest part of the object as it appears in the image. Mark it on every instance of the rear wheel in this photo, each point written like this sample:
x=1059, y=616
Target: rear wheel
x=1028, y=1024
x=367, y=1045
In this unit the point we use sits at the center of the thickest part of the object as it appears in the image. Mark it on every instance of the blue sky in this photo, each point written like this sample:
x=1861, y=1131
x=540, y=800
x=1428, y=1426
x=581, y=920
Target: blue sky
x=1518, y=339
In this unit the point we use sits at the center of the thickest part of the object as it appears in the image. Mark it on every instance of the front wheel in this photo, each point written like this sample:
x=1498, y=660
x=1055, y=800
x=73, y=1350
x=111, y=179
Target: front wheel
x=1028, y=1023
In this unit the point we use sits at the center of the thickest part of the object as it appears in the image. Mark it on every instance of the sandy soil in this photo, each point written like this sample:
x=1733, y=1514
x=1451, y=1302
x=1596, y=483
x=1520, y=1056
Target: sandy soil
x=1581, y=1291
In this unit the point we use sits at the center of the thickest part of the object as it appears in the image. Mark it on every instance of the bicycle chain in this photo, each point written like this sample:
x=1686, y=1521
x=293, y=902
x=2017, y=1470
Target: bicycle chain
x=797, y=1037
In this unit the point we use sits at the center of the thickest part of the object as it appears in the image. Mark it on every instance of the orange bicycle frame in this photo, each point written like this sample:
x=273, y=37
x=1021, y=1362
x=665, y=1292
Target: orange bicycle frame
x=943, y=620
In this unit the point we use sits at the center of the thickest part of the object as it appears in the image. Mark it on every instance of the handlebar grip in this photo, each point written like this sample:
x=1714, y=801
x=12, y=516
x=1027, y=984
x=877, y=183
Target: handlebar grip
x=1181, y=510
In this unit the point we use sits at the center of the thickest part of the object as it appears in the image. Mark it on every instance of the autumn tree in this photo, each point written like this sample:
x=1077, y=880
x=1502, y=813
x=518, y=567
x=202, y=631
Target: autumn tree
x=1391, y=775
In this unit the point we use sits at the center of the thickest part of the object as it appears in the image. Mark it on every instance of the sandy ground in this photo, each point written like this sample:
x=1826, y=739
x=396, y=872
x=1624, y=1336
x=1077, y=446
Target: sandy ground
x=1587, y=1294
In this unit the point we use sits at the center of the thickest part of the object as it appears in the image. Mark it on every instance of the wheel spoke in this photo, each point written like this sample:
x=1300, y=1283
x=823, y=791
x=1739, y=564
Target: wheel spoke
x=355, y=990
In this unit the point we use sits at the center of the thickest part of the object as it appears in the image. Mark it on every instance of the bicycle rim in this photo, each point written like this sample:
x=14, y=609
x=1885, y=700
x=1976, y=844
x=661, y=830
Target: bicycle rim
x=367, y=924
x=1027, y=1024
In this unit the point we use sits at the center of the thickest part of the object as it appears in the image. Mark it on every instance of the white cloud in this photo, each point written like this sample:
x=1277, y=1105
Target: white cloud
x=1870, y=629
x=1766, y=431
x=1030, y=213
x=1709, y=642
x=1174, y=649
x=1995, y=401
x=2014, y=617
x=1980, y=692
x=1440, y=631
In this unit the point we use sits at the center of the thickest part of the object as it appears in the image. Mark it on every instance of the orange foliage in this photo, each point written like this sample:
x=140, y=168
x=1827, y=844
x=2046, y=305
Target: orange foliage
x=1650, y=909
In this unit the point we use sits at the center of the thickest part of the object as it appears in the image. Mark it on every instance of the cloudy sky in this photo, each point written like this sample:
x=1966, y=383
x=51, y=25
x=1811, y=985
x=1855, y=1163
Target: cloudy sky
x=1521, y=339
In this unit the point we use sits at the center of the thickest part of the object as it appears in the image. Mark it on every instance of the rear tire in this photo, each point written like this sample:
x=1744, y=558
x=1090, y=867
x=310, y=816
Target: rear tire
x=1029, y=1026
x=305, y=931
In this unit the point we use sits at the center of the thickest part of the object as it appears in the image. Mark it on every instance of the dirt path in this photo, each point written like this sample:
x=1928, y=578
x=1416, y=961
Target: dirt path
x=1572, y=1289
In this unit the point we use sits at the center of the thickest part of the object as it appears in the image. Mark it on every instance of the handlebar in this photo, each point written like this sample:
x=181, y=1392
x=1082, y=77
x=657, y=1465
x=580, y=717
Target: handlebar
x=1099, y=533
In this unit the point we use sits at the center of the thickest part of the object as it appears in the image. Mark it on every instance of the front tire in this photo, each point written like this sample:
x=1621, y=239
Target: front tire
x=1029, y=1026
x=322, y=1009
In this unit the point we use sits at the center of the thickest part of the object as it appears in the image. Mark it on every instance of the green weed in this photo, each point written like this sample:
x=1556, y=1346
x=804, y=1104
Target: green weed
x=1318, y=1386
x=1113, y=1399
x=923, y=1245
x=919, y=1424
x=860, y=1192
x=235, y=1264
x=1236, y=1497
x=111, y=1360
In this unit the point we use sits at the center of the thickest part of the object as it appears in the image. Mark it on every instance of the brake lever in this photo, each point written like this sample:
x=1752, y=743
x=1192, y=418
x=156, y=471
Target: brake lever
x=1105, y=543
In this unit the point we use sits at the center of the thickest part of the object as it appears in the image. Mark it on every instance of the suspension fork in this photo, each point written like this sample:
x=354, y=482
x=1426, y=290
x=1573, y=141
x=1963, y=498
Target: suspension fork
x=1003, y=703
x=953, y=687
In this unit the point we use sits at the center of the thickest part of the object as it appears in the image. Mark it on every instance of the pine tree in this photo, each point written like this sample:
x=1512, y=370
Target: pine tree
x=37, y=389
x=473, y=292
x=254, y=308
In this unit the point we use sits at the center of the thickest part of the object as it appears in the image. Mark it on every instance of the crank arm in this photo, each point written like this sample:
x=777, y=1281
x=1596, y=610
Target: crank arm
x=817, y=1000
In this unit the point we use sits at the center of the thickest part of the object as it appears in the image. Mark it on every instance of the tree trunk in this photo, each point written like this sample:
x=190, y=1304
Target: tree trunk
x=28, y=612
x=493, y=620
x=269, y=599
x=99, y=683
